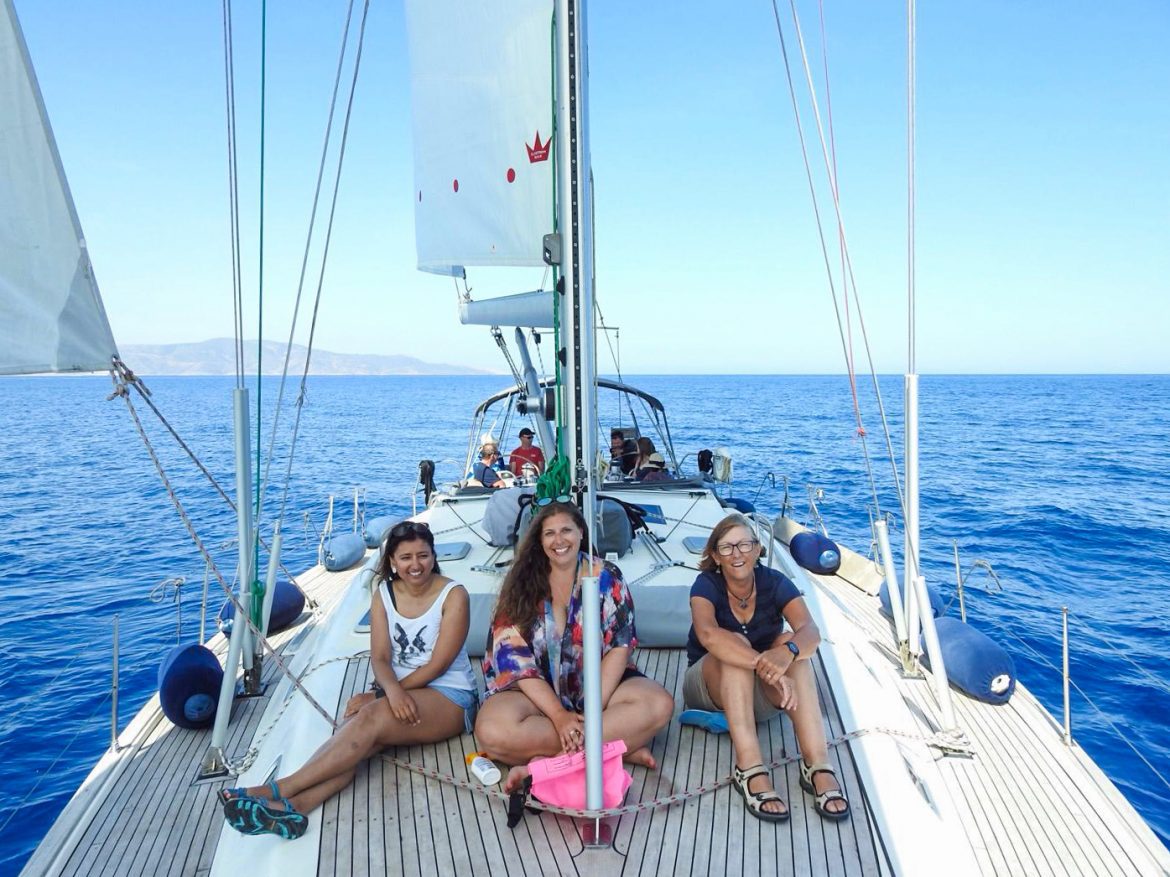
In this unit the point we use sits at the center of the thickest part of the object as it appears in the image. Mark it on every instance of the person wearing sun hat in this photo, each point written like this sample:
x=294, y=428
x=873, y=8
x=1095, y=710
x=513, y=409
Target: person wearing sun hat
x=526, y=454
x=654, y=469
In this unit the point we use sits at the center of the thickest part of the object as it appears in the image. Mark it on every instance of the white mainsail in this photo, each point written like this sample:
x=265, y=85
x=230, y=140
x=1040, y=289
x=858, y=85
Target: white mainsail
x=482, y=106
x=51, y=313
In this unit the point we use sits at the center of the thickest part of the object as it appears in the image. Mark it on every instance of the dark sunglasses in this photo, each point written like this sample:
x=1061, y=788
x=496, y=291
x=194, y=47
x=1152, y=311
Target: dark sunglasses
x=406, y=527
x=549, y=500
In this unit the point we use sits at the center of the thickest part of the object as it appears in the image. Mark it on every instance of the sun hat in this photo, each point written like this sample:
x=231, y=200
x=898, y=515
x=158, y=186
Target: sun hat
x=655, y=461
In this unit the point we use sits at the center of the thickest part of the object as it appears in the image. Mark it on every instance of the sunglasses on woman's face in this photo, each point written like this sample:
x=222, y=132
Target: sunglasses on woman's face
x=549, y=500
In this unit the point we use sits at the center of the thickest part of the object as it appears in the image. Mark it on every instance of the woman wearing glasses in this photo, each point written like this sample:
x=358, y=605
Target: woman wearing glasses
x=533, y=663
x=743, y=662
x=424, y=687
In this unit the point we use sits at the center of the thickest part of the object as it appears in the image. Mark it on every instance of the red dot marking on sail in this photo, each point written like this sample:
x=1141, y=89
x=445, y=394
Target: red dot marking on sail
x=455, y=185
x=511, y=175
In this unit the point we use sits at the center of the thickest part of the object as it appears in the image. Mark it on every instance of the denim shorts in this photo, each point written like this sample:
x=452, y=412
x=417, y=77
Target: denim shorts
x=466, y=700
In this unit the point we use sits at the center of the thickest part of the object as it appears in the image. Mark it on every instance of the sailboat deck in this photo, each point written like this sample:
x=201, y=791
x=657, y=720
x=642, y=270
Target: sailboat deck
x=1028, y=803
x=392, y=820
x=145, y=813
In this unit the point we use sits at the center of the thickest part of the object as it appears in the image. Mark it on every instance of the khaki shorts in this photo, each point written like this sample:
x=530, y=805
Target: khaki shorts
x=697, y=697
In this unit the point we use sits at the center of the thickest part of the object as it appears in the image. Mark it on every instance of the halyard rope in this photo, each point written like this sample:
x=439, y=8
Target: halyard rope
x=123, y=378
x=940, y=741
x=120, y=390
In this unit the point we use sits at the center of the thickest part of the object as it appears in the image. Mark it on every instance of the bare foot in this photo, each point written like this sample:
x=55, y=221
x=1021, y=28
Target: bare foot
x=641, y=757
x=515, y=778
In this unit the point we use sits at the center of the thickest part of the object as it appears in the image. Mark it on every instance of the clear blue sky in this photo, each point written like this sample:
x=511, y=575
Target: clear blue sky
x=1043, y=181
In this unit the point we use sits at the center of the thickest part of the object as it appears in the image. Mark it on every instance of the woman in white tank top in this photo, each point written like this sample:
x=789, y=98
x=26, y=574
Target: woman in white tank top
x=424, y=688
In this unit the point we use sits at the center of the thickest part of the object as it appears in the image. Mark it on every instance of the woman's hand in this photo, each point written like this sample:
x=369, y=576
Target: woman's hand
x=570, y=731
x=402, y=705
x=772, y=667
x=354, y=705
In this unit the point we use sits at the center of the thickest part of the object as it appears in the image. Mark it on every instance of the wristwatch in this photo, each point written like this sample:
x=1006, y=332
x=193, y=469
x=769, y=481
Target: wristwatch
x=794, y=648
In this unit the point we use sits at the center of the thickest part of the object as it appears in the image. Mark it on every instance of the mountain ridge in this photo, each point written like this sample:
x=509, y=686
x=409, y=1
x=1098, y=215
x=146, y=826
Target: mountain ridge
x=216, y=356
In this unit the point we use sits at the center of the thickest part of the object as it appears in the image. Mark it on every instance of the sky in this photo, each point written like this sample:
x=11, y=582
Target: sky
x=1043, y=181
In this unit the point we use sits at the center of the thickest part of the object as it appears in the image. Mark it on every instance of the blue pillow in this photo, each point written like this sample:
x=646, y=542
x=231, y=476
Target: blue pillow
x=287, y=605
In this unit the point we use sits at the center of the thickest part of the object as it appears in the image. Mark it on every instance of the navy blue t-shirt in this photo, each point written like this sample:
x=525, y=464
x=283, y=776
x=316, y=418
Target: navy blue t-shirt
x=774, y=590
x=486, y=474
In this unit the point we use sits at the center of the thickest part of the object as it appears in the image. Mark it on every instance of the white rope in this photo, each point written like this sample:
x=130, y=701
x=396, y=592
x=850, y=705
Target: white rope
x=939, y=741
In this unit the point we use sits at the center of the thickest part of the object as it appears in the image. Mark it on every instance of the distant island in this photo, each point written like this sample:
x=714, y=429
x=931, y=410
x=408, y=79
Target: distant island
x=217, y=357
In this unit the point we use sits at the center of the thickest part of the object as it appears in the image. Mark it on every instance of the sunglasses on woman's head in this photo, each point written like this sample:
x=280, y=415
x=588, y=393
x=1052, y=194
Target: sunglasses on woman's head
x=549, y=500
x=406, y=527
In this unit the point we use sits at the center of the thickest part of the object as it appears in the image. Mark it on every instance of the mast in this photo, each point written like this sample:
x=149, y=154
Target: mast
x=574, y=224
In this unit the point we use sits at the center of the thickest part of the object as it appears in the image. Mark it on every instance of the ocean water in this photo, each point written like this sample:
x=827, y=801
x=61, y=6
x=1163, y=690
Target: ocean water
x=1061, y=483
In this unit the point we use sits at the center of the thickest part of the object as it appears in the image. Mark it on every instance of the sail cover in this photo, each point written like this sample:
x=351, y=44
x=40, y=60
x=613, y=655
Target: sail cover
x=51, y=314
x=481, y=91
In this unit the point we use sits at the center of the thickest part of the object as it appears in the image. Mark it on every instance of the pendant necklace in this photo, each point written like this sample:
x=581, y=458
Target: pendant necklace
x=743, y=601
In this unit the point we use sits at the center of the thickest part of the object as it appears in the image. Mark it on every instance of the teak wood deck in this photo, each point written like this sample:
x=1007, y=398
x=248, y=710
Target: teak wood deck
x=1024, y=798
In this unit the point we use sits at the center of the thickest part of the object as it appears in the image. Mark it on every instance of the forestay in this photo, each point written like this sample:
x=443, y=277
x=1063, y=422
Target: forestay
x=481, y=89
x=51, y=314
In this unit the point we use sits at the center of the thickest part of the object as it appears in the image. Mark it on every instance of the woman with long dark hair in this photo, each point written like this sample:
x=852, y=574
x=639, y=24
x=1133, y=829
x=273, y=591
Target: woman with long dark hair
x=533, y=663
x=424, y=687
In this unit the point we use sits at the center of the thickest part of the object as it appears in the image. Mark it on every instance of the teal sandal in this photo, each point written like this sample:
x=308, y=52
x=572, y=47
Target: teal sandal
x=252, y=816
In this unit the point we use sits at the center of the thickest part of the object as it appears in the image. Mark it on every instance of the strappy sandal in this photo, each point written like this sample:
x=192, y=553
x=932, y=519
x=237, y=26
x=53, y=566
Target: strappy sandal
x=807, y=772
x=754, y=801
x=226, y=795
x=252, y=816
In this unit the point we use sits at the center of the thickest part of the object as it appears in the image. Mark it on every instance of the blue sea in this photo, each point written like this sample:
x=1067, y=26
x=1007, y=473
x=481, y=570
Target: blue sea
x=1062, y=483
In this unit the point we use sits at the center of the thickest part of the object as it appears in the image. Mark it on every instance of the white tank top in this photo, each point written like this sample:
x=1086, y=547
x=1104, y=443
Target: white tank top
x=412, y=641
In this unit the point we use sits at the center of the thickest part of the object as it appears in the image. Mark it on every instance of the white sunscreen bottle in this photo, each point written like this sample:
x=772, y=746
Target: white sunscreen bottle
x=483, y=768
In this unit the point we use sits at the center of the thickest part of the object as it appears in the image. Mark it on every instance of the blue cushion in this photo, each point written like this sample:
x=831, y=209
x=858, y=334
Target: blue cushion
x=188, y=685
x=287, y=605
x=343, y=551
x=976, y=664
x=816, y=553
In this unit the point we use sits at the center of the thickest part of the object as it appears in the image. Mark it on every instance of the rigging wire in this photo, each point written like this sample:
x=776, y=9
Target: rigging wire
x=233, y=191
x=325, y=253
x=911, y=548
x=304, y=266
x=125, y=377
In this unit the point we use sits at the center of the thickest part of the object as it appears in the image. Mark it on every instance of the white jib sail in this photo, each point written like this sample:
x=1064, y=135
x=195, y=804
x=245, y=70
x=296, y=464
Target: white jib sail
x=481, y=92
x=51, y=314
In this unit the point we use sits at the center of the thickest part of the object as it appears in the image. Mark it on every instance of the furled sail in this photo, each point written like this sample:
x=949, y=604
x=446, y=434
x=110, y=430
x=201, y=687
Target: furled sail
x=481, y=90
x=51, y=314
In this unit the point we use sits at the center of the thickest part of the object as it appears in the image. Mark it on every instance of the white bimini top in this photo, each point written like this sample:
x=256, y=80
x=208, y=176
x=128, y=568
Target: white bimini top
x=412, y=642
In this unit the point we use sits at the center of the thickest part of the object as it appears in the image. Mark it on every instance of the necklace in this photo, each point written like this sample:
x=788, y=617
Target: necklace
x=746, y=598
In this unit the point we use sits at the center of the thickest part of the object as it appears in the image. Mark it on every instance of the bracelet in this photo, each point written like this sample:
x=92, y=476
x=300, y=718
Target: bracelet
x=378, y=690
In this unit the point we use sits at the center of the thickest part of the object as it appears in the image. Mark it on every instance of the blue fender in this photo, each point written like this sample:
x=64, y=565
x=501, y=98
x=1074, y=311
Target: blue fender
x=343, y=551
x=816, y=553
x=189, y=680
x=287, y=605
x=377, y=528
x=976, y=664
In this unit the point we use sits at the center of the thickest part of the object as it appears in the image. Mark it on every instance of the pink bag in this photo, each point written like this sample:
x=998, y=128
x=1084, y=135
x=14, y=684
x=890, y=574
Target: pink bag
x=560, y=780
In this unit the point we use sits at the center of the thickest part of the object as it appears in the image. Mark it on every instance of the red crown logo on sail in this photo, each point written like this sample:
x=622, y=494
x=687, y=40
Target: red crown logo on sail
x=538, y=151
